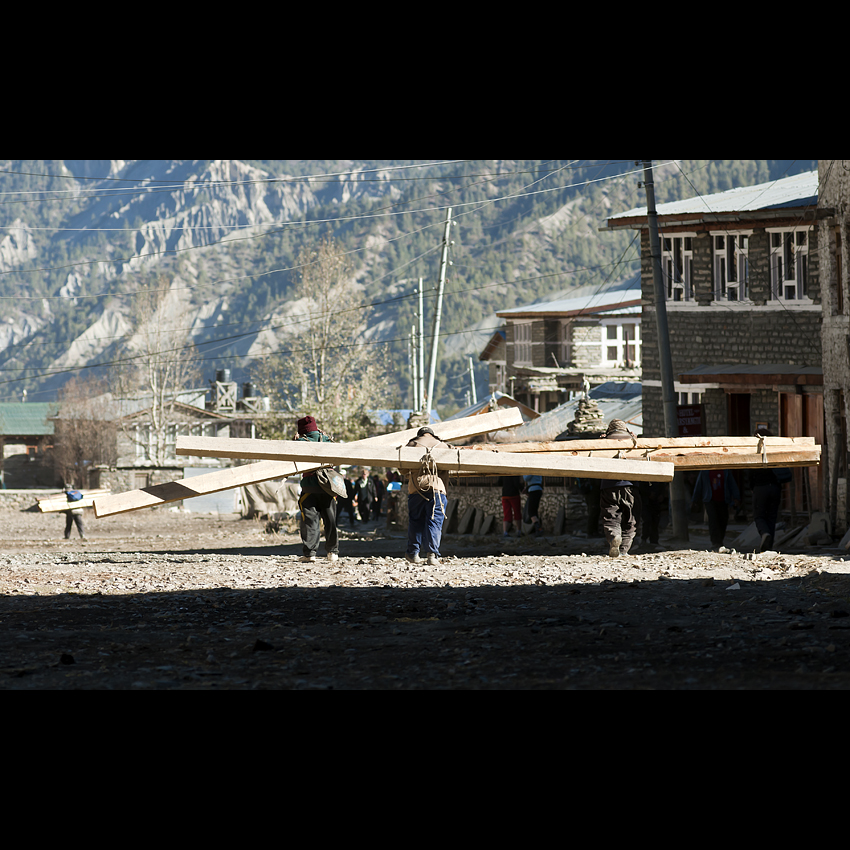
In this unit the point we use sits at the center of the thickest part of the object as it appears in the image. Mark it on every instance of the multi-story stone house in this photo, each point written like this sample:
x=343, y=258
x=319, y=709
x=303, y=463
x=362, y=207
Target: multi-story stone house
x=741, y=279
x=549, y=349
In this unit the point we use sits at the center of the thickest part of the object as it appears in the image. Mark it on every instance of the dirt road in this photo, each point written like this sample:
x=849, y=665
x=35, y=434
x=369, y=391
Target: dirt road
x=159, y=599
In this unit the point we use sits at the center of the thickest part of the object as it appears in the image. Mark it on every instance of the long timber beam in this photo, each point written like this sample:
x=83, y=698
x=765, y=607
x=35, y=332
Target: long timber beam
x=447, y=460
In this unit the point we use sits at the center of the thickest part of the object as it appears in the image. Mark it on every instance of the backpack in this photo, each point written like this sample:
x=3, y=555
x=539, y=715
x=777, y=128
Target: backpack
x=332, y=482
x=74, y=495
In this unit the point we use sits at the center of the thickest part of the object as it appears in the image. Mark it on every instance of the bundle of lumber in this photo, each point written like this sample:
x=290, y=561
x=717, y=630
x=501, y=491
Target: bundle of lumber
x=451, y=461
x=685, y=453
x=269, y=470
x=59, y=501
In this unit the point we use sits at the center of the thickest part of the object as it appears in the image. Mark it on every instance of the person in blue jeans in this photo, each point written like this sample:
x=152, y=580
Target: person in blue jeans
x=426, y=510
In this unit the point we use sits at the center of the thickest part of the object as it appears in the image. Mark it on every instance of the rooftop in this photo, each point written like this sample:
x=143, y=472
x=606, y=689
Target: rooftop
x=801, y=190
x=28, y=419
x=621, y=298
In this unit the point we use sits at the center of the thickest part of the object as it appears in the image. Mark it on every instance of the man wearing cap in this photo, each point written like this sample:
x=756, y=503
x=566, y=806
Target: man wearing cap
x=316, y=505
x=619, y=501
x=426, y=510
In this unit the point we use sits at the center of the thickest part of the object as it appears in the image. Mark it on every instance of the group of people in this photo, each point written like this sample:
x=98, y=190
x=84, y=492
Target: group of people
x=365, y=499
x=513, y=486
x=623, y=507
x=426, y=503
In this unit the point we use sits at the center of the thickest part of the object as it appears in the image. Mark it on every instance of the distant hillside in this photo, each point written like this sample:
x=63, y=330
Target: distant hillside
x=79, y=237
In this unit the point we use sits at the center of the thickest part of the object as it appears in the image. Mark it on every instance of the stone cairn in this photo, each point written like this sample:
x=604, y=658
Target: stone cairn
x=588, y=417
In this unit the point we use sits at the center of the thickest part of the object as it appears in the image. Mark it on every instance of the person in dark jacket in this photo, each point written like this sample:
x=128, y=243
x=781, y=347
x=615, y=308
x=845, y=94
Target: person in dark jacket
x=767, y=494
x=378, y=501
x=717, y=490
x=654, y=500
x=347, y=504
x=364, y=494
x=316, y=505
x=619, y=502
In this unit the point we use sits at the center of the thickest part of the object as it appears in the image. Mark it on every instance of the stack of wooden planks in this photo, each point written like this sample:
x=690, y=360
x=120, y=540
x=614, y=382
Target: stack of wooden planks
x=240, y=476
x=452, y=461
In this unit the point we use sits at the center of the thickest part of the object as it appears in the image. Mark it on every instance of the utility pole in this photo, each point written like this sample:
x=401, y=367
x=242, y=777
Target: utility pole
x=472, y=380
x=421, y=407
x=414, y=363
x=441, y=285
x=668, y=394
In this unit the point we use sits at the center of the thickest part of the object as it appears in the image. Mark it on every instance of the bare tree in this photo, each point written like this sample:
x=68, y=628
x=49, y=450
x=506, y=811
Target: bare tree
x=85, y=431
x=326, y=369
x=158, y=368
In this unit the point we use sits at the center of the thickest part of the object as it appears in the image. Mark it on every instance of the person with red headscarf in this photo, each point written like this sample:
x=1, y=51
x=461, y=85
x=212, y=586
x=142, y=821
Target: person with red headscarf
x=316, y=505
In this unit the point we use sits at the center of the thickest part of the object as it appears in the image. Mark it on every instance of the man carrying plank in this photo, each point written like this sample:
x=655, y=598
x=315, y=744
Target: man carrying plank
x=73, y=515
x=316, y=505
x=619, y=501
x=426, y=502
x=253, y=473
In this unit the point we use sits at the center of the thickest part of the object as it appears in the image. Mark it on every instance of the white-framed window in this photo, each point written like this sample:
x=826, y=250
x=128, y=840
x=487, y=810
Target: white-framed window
x=789, y=263
x=677, y=263
x=522, y=343
x=621, y=344
x=731, y=266
x=689, y=398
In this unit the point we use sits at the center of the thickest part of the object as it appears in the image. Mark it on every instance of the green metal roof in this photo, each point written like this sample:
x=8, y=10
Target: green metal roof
x=26, y=419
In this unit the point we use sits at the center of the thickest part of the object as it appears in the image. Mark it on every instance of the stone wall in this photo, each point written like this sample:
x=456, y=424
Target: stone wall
x=487, y=498
x=22, y=500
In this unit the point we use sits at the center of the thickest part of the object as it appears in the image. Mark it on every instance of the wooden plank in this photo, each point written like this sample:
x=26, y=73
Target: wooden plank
x=241, y=476
x=52, y=507
x=652, y=444
x=447, y=460
x=61, y=496
x=783, y=451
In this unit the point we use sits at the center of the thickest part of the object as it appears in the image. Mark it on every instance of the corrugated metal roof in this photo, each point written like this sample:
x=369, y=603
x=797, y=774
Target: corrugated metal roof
x=28, y=419
x=801, y=190
x=616, y=400
x=597, y=302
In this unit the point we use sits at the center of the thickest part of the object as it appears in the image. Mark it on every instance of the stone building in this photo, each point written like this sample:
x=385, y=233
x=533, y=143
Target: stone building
x=578, y=339
x=741, y=276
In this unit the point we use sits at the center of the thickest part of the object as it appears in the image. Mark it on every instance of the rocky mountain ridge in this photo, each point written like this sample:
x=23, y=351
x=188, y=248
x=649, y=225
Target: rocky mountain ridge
x=78, y=239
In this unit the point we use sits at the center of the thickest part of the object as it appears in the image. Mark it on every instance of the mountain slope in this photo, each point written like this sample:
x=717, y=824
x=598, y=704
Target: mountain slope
x=79, y=238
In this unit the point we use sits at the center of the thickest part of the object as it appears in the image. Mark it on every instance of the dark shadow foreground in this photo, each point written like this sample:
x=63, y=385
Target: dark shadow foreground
x=665, y=634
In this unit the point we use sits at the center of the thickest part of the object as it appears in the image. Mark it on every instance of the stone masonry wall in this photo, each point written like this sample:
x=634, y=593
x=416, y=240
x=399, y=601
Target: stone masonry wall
x=488, y=499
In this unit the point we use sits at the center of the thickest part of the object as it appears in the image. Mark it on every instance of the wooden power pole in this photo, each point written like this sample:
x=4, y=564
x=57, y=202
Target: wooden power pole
x=441, y=285
x=678, y=507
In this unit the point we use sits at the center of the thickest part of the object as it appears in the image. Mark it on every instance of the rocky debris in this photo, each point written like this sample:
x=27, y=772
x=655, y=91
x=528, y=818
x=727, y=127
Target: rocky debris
x=158, y=601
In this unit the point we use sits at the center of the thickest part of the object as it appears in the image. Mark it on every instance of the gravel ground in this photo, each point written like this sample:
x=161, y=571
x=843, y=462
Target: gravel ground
x=168, y=600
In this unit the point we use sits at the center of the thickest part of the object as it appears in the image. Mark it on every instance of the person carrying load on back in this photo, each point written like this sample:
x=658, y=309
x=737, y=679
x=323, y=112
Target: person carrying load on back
x=317, y=506
x=619, y=501
x=426, y=502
